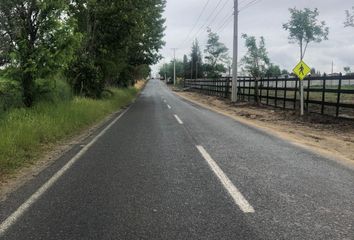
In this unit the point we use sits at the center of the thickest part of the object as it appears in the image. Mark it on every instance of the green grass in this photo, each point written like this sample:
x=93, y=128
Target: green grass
x=26, y=134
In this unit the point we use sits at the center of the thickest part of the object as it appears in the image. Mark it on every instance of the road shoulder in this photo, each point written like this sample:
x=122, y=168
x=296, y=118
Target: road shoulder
x=332, y=143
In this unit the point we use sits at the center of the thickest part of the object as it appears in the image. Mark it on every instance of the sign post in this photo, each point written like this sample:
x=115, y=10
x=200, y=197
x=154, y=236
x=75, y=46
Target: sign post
x=302, y=70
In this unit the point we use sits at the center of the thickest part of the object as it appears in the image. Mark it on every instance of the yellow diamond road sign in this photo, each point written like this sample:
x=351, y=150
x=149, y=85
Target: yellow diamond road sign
x=302, y=70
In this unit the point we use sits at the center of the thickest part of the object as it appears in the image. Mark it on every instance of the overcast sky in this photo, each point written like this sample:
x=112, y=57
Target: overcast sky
x=265, y=18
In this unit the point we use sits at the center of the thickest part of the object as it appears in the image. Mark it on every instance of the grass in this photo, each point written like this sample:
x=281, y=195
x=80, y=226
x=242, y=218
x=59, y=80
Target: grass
x=26, y=134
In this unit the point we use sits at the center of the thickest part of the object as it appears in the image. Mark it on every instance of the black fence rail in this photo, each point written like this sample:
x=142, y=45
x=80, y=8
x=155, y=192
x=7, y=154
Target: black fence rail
x=328, y=95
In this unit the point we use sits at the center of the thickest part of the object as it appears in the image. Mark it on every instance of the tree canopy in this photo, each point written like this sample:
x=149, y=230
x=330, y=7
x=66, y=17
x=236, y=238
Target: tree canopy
x=256, y=60
x=37, y=39
x=349, y=22
x=196, y=61
x=216, y=55
x=305, y=28
x=94, y=42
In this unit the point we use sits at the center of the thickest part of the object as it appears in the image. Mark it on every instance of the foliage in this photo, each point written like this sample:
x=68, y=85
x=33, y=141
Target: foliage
x=256, y=60
x=273, y=71
x=167, y=69
x=347, y=70
x=37, y=40
x=28, y=132
x=216, y=55
x=285, y=72
x=85, y=77
x=10, y=95
x=119, y=38
x=196, y=61
x=53, y=90
x=187, y=67
x=349, y=22
x=304, y=28
x=96, y=43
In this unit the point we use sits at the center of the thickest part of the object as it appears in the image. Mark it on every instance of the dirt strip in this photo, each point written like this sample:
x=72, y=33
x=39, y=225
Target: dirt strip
x=327, y=136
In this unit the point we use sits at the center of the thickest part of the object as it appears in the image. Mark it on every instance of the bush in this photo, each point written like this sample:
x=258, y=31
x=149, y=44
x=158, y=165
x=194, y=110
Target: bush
x=52, y=90
x=86, y=78
x=10, y=95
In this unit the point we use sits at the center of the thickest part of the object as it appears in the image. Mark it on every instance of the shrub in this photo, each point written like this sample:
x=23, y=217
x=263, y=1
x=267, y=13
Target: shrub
x=10, y=95
x=86, y=78
x=52, y=90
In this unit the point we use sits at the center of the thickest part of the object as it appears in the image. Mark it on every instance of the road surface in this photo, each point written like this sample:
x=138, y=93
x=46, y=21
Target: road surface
x=168, y=169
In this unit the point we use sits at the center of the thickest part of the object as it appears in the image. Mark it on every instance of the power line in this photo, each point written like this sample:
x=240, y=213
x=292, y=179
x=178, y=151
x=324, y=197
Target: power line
x=212, y=13
x=220, y=10
x=197, y=21
x=250, y=4
x=225, y=22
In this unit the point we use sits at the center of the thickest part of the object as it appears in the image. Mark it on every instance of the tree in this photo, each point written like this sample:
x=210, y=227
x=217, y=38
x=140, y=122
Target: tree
x=304, y=28
x=196, y=64
x=273, y=71
x=167, y=69
x=349, y=22
x=121, y=38
x=216, y=55
x=36, y=40
x=284, y=72
x=256, y=60
x=347, y=70
x=186, y=67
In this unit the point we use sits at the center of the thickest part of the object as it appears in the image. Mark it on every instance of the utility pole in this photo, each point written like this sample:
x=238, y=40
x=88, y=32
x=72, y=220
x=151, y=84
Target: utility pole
x=235, y=54
x=174, y=65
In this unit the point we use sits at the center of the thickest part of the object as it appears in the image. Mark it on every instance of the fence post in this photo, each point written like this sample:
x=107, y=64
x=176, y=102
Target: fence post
x=244, y=89
x=249, y=90
x=276, y=92
x=268, y=90
x=339, y=94
x=227, y=87
x=260, y=90
x=285, y=86
x=323, y=94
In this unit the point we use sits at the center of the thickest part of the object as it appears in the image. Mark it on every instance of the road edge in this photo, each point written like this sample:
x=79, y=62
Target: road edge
x=59, y=151
x=315, y=150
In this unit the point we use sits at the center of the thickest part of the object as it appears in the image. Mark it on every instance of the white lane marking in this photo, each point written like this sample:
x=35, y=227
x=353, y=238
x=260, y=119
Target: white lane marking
x=178, y=119
x=12, y=219
x=169, y=107
x=164, y=101
x=239, y=199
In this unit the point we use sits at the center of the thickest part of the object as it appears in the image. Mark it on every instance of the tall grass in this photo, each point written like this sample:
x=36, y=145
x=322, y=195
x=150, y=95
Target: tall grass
x=26, y=133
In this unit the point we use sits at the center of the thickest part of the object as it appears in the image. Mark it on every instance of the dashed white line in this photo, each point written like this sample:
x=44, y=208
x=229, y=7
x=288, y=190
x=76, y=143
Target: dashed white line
x=169, y=107
x=238, y=198
x=178, y=119
x=12, y=219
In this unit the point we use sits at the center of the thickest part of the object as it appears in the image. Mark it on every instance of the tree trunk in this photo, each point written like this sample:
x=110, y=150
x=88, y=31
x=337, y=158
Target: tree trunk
x=256, y=91
x=28, y=89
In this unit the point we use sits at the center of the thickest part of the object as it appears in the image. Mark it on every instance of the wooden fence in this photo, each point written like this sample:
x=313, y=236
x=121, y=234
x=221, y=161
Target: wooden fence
x=329, y=95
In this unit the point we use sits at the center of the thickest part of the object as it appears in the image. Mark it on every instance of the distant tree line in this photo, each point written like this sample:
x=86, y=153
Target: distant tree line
x=92, y=43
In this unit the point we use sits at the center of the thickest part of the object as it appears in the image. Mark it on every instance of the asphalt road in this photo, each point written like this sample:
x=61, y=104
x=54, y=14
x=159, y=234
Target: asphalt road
x=167, y=169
